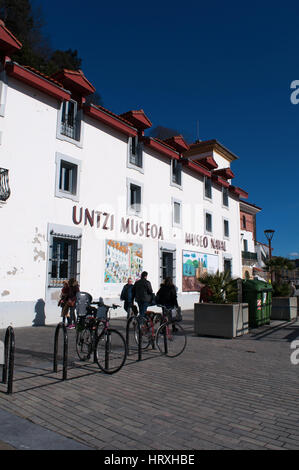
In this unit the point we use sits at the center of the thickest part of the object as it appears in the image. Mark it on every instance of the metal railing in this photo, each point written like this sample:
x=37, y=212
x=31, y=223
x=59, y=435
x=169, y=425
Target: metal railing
x=65, y=349
x=9, y=357
x=4, y=185
x=249, y=255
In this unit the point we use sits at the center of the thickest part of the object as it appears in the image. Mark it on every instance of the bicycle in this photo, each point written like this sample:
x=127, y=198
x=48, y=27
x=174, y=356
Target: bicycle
x=170, y=337
x=137, y=325
x=94, y=335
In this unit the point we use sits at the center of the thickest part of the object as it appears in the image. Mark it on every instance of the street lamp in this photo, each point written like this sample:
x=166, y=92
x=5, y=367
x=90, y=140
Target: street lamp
x=269, y=235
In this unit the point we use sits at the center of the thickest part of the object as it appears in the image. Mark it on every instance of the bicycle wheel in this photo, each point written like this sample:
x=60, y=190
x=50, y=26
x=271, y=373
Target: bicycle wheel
x=84, y=341
x=171, y=339
x=132, y=334
x=146, y=333
x=110, y=351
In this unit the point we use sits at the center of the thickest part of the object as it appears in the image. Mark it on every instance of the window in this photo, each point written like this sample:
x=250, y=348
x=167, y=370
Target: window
x=67, y=177
x=177, y=213
x=225, y=196
x=135, y=152
x=208, y=222
x=69, y=119
x=134, y=197
x=245, y=243
x=63, y=260
x=69, y=122
x=244, y=221
x=226, y=228
x=208, y=187
x=227, y=265
x=176, y=172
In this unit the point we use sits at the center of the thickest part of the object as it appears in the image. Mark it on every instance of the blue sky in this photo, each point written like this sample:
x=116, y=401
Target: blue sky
x=228, y=65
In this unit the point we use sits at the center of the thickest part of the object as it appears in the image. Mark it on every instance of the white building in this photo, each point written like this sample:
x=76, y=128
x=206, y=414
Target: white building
x=87, y=195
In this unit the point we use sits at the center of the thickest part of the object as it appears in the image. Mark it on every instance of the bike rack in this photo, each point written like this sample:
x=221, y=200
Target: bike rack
x=139, y=337
x=9, y=357
x=65, y=349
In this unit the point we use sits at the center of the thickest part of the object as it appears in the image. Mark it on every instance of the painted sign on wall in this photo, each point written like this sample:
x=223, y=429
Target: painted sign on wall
x=122, y=260
x=196, y=264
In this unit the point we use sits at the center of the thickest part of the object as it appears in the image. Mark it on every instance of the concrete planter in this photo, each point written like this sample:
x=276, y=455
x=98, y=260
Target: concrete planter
x=284, y=308
x=221, y=320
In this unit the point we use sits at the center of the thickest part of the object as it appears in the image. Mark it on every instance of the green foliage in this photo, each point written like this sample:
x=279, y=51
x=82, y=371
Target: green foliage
x=26, y=24
x=277, y=265
x=223, y=287
x=281, y=289
x=63, y=60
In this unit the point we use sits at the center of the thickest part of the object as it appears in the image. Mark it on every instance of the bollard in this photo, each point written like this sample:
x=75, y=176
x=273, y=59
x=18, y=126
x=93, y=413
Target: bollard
x=9, y=358
x=65, y=349
x=130, y=320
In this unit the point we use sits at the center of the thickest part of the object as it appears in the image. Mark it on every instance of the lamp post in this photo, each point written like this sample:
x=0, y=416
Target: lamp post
x=269, y=235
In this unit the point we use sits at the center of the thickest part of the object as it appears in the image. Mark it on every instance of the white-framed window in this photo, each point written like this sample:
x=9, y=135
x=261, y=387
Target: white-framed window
x=68, y=171
x=134, y=197
x=208, y=222
x=135, y=153
x=69, y=122
x=225, y=199
x=208, y=188
x=225, y=228
x=64, y=254
x=176, y=213
x=176, y=173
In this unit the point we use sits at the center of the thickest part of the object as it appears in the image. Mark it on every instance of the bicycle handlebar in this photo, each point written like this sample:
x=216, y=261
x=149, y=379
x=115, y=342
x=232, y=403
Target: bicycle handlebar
x=114, y=306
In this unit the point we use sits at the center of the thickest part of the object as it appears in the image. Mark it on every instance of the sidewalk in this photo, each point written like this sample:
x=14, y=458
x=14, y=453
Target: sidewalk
x=219, y=394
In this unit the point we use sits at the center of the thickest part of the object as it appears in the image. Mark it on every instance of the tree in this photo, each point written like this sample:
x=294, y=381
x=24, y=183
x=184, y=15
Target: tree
x=161, y=132
x=62, y=60
x=26, y=24
x=277, y=265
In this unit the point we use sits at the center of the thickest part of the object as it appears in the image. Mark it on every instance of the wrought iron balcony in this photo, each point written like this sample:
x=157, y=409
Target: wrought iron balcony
x=247, y=255
x=4, y=185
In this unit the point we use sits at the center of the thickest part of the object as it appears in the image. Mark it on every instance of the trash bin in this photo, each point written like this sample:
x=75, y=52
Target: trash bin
x=258, y=295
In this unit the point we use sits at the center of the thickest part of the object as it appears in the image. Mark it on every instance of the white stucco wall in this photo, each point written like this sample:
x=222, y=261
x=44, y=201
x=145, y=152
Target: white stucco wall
x=29, y=148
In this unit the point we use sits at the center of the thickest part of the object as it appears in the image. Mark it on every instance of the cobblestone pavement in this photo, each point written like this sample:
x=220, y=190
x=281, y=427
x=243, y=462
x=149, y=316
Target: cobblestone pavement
x=219, y=394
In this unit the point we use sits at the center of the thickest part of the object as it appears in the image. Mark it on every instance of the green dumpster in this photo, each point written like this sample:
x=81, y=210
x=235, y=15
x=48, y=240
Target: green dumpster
x=258, y=295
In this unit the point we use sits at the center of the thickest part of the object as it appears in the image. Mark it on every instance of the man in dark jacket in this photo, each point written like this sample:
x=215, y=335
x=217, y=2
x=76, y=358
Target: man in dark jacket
x=127, y=296
x=143, y=293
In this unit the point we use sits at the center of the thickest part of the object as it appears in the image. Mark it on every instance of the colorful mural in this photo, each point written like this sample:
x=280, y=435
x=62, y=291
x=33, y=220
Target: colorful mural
x=122, y=260
x=194, y=265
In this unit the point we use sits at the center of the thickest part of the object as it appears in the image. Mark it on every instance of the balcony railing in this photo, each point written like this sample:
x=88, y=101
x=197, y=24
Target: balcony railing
x=4, y=185
x=247, y=255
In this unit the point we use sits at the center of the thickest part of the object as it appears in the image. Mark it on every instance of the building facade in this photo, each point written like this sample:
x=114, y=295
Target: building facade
x=86, y=194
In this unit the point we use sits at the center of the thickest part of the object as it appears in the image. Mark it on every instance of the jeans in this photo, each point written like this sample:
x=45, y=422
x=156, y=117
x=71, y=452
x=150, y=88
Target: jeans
x=143, y=308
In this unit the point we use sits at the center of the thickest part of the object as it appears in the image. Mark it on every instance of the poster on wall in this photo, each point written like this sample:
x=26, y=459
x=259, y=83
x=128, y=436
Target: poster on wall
x=195, y=264
x=122, y=260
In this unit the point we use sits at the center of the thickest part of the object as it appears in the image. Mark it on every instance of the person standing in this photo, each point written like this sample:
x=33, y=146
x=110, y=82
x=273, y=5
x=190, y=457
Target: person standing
x=63, y=299
x=127, y=296
x=167, y=296
x=143, y=294
x=68, y=310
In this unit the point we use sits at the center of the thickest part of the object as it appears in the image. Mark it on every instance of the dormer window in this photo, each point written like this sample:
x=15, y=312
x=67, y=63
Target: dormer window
x=70, y=115
x=70, y=120
x=225, y=200
x=135, y=152
x=176, y=172
x=208, y=188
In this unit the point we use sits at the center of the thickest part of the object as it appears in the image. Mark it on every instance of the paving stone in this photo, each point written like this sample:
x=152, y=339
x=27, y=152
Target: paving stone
x=215, y=396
